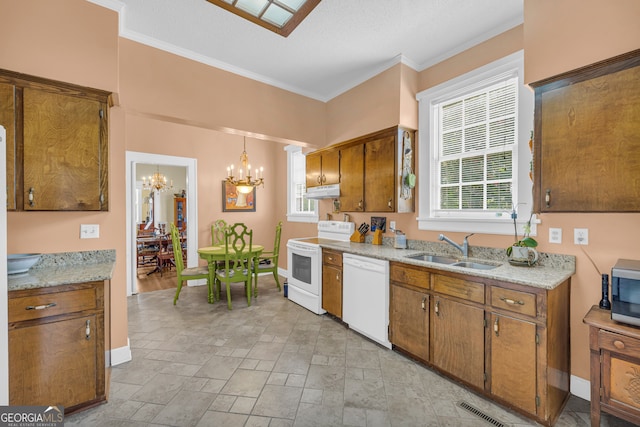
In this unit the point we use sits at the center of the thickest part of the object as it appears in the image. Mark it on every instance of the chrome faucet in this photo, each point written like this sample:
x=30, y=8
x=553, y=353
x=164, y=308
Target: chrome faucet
x=465, y=245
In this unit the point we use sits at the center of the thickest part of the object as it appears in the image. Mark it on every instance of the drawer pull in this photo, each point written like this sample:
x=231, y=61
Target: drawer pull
x=511, y=301
x=496, y=327
x=338, y=277
x=618, y=344
x=424, y=305
x=40, y=307
x=437, y=308
x=330, y=258
x=87, y=329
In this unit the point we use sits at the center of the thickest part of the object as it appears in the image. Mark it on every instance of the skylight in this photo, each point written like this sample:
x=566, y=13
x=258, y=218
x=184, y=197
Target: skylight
x=279, y=16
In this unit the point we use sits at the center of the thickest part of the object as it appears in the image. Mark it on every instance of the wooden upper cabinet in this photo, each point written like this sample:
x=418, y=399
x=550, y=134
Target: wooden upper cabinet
x=322, y=168
x=586, y=145
x=379, y=169
x=8, y=120
x=371, y=170
x=352, y=178
x=60, y=145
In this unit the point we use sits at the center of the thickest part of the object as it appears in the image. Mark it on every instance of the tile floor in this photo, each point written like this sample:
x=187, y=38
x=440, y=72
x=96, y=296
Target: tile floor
x=276, y=364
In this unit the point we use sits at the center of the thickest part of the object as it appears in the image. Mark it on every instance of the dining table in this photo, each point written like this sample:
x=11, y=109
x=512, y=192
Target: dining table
x=214, y=254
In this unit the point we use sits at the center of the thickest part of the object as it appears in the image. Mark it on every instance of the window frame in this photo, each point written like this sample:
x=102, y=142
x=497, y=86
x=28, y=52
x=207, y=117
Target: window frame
x=488, y=222
x=292, y=215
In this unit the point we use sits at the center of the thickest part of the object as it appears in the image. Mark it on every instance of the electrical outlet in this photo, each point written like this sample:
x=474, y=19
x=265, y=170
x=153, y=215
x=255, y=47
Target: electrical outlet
x=555, y=235
x=581, y=236
x=392, y=226
x=89, y=231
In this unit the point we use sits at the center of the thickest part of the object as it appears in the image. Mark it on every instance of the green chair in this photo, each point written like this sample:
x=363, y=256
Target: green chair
x=191, y=273
x=218, y=230
x=237, y=260
x=268, y=262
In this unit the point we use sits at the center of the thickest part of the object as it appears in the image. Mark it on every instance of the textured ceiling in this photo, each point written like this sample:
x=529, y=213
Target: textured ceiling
x=338, y=46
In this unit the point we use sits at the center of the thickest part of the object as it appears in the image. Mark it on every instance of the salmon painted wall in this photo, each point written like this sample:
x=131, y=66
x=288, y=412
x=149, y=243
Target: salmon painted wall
x=186, y=91
x=77, y=42
x=559, y=37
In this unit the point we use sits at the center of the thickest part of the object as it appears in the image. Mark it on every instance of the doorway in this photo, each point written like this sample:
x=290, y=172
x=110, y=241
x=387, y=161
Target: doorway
x=135, y=160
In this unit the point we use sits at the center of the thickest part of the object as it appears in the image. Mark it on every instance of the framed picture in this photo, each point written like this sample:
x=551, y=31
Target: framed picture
x=234, y=201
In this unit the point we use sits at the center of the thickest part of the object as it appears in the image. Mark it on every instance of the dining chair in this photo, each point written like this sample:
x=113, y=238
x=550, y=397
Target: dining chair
x=268, y=262
x=237, y=260
x=185, y=274
x=218, y=229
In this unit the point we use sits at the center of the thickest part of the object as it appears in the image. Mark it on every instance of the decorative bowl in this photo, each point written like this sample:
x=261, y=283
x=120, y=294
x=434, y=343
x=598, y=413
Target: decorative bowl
x=21, y=263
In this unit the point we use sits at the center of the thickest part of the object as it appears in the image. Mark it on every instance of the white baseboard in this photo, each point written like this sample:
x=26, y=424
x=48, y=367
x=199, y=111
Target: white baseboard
x=121, y=354
x=580, y=387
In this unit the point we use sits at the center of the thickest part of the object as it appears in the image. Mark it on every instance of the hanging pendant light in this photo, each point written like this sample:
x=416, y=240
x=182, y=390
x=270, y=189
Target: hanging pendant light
x=244, y=182
x=157, y=182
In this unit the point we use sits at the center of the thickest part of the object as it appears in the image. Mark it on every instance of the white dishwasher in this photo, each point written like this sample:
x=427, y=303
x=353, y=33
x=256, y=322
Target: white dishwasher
x=365, y=296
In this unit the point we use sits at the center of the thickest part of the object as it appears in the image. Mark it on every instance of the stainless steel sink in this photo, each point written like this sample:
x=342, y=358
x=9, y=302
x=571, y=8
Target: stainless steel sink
x=434, y=258
x=474, y=265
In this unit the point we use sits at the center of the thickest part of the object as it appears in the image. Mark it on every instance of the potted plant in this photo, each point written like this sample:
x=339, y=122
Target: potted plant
x=522, y=249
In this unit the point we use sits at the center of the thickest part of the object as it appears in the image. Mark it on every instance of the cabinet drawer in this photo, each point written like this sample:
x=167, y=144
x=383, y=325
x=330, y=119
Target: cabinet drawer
x=52, y=304
x=332, y=258
x=472, y=291
x=409, y=275
x=516, y=301
x=619, y=343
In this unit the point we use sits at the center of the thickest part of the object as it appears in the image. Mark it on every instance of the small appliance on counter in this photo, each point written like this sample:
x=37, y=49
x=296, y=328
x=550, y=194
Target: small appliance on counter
x=401, y=240
x=625, y=291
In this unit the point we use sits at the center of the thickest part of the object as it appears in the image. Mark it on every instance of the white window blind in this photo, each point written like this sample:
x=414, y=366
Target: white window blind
x=476, y=139
x=474, y=158
x=300, y=209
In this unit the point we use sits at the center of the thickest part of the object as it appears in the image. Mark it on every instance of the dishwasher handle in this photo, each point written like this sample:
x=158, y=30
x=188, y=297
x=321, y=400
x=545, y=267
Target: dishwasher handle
x=363, y=264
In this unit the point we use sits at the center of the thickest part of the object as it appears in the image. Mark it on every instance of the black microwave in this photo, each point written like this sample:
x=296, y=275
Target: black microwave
x=625, y=291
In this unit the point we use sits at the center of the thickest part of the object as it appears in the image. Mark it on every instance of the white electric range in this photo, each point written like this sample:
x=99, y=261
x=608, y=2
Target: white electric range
x=304, y=260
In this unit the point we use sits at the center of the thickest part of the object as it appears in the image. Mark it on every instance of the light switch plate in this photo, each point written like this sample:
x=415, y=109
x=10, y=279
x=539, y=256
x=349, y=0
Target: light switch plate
x=89, y=231
x=555, y=235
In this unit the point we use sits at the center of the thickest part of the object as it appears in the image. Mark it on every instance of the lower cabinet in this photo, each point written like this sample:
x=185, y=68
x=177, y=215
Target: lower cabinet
x=409, y=329
x=332, y=282
x=513, y=353
x=457, y=343
x=507, y=341
x=57, y=343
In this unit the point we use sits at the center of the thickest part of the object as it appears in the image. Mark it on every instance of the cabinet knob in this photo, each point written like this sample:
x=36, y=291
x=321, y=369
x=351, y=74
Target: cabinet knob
x=618, y=344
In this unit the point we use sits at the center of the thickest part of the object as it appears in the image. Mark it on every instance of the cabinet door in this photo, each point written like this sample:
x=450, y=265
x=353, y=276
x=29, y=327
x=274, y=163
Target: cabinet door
x=54, y=363
x=313, y=163
x=352, y=178
x=8, y=120
x=330, y=167
x=409, y=320
x=458, y=340
x=64, y=155
x=332, y=290
x=379, y=169
x=513, y=361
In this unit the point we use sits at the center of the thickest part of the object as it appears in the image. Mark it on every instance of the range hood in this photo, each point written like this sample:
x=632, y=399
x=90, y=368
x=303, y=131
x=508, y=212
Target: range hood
x=323, y=192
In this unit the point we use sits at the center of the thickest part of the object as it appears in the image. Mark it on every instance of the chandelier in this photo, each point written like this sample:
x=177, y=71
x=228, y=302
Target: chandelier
x=245, y=183
x=156, y=182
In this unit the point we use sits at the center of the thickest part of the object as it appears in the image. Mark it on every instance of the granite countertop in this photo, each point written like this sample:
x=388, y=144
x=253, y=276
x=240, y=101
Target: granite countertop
x=66, y=268
x=550, y=271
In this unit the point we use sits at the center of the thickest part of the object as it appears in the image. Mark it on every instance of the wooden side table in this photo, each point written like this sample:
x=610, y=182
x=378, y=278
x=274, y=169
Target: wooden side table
x=615, y=367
